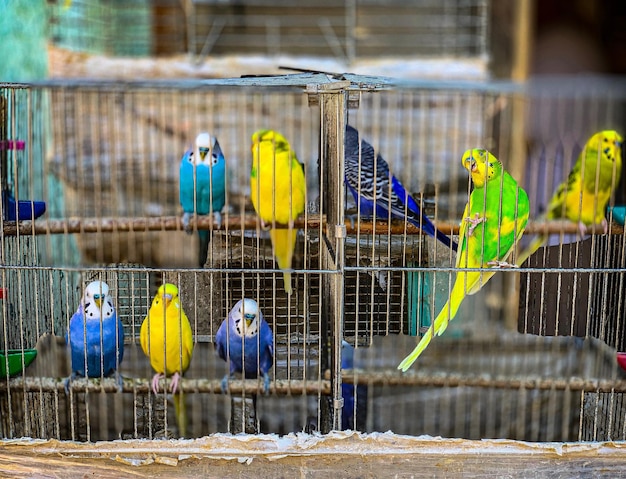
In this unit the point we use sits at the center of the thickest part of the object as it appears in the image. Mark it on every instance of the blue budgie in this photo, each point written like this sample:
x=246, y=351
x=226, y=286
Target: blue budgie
x=95, y=335
x=387, y=191
x=206, y=161
x=245, y=340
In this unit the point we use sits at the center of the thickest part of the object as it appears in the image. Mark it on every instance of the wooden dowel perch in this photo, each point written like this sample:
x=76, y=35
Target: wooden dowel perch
x=451, y=380
x=249, y=222
x=142, y=386
x=297, y=387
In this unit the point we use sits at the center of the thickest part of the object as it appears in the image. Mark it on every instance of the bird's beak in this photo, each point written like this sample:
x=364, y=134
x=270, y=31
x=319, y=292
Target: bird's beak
x=203, y=153
x=167, y=298
x=98, y=300
x=248, y=318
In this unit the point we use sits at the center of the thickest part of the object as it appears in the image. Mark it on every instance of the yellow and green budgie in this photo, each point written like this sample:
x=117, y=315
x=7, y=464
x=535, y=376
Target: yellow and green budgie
x=493, y=222
x=582, y=199
x=166, y=339
x=278, y=192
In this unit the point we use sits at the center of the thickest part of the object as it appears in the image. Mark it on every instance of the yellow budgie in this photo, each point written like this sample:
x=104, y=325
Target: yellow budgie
x=497, y=213
x=278, y=191
x=583, y=197
x=166, y=338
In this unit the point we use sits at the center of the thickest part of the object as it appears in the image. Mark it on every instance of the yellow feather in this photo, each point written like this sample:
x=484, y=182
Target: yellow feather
x=278, y=192
x=583, y=196
x=166, y=336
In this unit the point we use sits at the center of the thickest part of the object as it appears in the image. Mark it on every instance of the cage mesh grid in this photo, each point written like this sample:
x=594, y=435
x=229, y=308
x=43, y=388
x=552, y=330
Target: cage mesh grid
x=532, y=385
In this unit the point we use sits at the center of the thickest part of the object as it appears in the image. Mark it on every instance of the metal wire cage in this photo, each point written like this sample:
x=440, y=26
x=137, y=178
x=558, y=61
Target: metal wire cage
x=104, y=157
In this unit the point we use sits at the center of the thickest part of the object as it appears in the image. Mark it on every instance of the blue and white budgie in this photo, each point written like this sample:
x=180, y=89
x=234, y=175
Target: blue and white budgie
x=373, y=182
x=354, y=412
x=95, y=335
x=245, y=340
x=206, y=161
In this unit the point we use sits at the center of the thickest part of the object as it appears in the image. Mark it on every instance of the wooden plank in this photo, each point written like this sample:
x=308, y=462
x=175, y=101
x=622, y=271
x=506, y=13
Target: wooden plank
x=347, y=454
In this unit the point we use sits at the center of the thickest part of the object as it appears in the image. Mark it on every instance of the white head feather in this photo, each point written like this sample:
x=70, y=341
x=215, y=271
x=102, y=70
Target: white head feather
x=245, y=317
x=207, y=150
x=96, y=300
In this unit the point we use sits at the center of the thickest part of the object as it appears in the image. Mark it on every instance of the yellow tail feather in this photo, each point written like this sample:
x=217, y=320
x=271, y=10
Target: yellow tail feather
x=537, y=243
x=181, y=413
x=438, y=327
x=447, y=313
x=284, y=243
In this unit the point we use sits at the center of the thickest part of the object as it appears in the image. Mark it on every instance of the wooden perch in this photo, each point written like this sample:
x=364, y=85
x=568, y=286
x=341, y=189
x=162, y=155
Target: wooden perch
x=278, y=387
x=282, y=387
x=250, y=222
x=499, y=382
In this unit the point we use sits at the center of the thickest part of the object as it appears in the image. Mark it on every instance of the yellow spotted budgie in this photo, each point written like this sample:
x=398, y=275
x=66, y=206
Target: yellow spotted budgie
x=493, y=222
x=582, y=199
x=278, y=192
x=166, y=338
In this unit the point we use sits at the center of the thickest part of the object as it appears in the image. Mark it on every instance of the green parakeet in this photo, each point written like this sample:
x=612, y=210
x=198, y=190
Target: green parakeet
x=493, y=221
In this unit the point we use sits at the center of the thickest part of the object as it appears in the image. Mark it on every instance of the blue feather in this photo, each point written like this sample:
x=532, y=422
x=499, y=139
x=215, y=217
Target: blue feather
x=103, y=351
x=371, y=182
x=251, y=355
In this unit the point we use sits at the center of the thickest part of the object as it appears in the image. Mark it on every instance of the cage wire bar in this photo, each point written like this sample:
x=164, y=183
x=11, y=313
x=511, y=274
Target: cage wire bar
x=343, y=31
x=105, y=158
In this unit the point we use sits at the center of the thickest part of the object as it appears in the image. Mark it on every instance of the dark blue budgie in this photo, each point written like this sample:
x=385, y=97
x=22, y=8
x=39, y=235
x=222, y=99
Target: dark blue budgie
x=245, y=340
x=387, y=191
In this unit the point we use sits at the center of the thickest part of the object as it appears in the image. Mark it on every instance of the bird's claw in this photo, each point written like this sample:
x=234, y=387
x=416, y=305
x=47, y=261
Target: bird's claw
x=217, y=220
x=264, y=225
x=155, y=383
x=120, y=381
x=352, y=218
x=174, y=382
x=474, y=222
x=224, y=384
x=501, y=264
x=70, y=378
x=186, y=226
x=266, y=384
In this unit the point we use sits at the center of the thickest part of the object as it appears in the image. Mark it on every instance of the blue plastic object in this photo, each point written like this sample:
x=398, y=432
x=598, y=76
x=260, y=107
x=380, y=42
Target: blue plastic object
x=22, y=209
x=618, y=214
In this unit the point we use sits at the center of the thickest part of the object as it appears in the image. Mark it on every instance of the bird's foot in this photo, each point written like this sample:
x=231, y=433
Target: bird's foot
x=119, y=379
x=174, y=382
x=501, y=265
x=266, y=384
x=352, y=219
x=155, y=382
x=224, y=383
x=474, y=222
x=69, y=380
x=186, y=226
x=217, y=220
x=264, y=225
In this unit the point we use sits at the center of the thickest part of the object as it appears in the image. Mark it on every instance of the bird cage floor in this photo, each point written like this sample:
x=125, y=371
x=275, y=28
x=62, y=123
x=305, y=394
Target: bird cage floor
x=345, y=454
